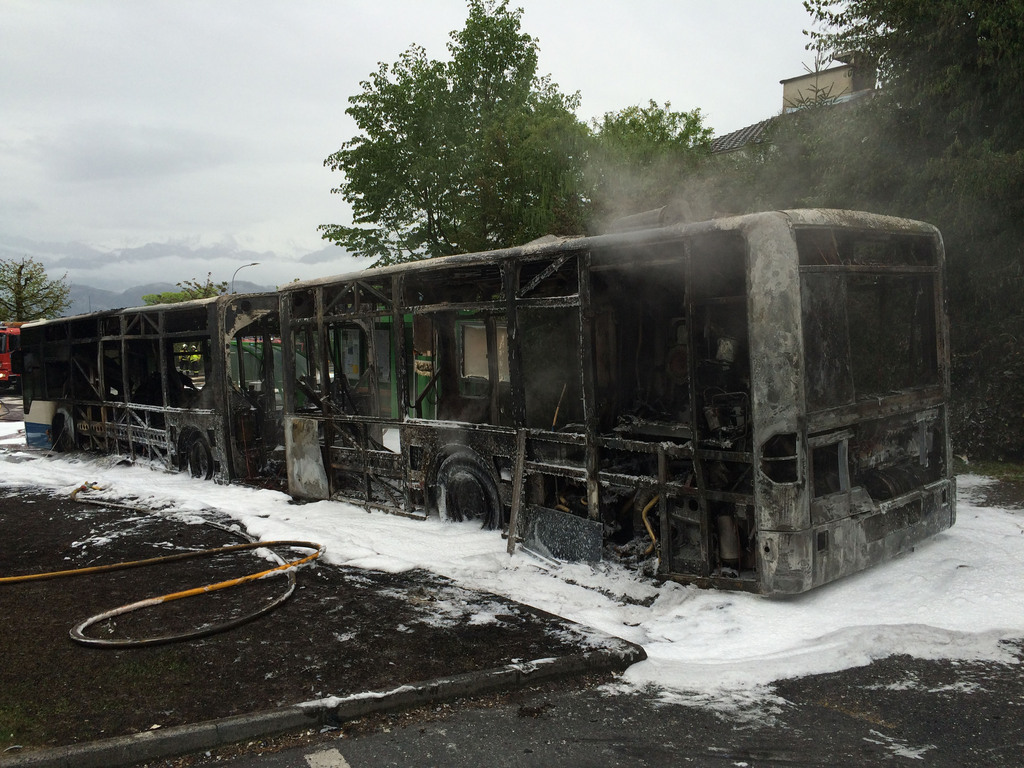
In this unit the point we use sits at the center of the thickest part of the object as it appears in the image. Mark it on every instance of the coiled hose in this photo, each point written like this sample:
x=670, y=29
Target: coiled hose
x=78, y=632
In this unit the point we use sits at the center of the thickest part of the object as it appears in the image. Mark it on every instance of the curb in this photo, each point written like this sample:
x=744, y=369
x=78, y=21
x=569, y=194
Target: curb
x=185, y=739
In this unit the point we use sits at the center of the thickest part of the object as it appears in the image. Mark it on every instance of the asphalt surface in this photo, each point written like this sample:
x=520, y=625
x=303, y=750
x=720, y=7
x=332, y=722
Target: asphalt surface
x=899, y=711
x=11, y=407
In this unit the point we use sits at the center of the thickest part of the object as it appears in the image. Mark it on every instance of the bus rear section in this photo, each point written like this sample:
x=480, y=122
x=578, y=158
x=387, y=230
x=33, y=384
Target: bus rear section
x=856, y=470
x=770, y=396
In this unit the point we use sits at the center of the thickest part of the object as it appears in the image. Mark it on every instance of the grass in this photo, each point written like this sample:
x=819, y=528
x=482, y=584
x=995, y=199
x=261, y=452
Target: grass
x=13, y=720
x=119, y=681
x=1000, y=470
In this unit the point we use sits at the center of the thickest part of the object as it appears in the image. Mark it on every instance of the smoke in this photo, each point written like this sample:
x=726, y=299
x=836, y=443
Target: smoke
x=668, y=191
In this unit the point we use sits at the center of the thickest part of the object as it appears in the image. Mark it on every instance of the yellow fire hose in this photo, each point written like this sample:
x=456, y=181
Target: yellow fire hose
x=78, y=632
x=647, y=524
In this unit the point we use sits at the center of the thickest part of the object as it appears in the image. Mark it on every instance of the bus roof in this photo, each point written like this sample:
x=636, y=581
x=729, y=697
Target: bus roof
x=662, y=225
x=180, y=305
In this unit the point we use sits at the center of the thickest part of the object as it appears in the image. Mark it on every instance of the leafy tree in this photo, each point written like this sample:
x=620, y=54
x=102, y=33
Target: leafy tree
x=954, y=66
x=190, y=289
x=643, y=156
x=461, y=156
x=26, y=293
x=165, y=297
x=205, y=289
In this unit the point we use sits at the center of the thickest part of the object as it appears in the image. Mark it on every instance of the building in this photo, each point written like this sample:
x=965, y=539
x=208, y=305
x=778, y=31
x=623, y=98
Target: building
x=846, y=82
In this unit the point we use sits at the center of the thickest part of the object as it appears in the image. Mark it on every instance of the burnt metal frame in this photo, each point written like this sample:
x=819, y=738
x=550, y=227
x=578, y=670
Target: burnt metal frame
x=121, y=426
x=772, y=314
x=497, y=441
x=516, y=445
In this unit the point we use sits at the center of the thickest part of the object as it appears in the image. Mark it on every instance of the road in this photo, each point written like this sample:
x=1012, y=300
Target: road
x=11, y=407
x=898, y=711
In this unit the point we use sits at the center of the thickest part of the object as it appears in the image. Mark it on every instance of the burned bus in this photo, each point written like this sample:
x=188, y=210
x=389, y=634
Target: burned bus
x=756, y=402
x=194, y=386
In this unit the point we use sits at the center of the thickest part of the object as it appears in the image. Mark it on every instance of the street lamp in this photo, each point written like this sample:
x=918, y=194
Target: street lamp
x=254, y=264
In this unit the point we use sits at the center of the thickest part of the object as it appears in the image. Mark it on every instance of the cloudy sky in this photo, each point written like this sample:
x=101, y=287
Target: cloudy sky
x=160, y=140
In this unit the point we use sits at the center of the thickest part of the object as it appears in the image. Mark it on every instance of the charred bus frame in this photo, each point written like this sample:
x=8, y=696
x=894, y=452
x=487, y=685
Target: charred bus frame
x=756, y=402
x=759, y=401
x=190, y=385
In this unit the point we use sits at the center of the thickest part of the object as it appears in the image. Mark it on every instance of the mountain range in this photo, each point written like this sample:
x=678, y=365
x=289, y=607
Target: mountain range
x=88, y=298
x=131, y=272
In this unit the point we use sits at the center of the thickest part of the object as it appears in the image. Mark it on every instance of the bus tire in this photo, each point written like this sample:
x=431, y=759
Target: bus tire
x=200, y=459
x=466, y=491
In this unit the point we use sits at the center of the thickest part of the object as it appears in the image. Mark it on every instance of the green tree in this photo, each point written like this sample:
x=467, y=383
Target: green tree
x=954, y=66
x=190, y=289
x=165, y=297
x=463, y=155
x=644, y=156
x=27, y=293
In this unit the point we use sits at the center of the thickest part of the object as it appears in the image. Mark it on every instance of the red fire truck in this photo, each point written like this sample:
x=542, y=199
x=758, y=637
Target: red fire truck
x=10, y=340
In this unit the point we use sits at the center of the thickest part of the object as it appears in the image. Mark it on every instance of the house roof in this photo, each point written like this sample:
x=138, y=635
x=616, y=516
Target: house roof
x=730, y=142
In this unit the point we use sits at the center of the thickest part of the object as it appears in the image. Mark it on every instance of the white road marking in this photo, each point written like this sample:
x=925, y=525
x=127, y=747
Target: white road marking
x=328, y=758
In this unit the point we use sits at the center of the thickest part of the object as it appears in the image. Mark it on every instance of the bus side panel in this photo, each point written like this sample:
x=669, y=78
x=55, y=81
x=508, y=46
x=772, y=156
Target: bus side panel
x=38, y=418
x=307, y=478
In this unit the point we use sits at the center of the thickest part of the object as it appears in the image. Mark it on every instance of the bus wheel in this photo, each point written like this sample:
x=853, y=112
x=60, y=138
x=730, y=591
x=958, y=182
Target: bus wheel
x=200, y=459
x=466, y=491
